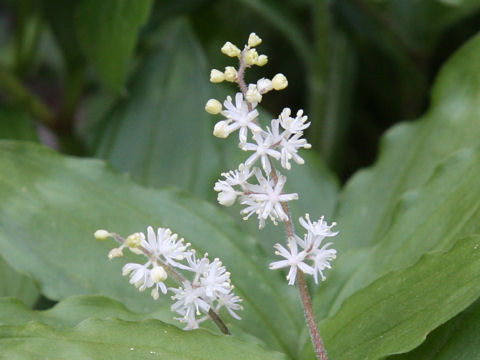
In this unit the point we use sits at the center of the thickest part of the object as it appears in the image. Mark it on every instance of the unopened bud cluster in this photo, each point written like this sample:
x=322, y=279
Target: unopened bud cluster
x=256, y=184
x=168, y=257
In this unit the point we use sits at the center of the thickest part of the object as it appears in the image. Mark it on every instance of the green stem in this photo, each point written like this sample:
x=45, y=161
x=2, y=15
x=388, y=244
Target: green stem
x=21, y=95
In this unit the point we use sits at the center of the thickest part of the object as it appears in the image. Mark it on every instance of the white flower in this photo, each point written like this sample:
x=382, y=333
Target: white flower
x=139, y=275
x=289, y=150
x=265, y=199
x=226, y=191
x=293, y=258
x=321, y=260
x=239, y=117
x=293, y=125
x=216, y=280
x=263, y=149
x=190, y=304
x=319, y=227
x=231, y=303
x=165, y=244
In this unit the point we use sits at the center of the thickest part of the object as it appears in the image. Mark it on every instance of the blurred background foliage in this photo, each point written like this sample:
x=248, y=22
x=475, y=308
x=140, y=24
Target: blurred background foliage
x=126, y=80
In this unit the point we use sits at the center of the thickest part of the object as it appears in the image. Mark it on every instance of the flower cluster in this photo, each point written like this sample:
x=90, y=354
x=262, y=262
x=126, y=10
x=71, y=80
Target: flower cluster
x=209, y=290
x=256, y=183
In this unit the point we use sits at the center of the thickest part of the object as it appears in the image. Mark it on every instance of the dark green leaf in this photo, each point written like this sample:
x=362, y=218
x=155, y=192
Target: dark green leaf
x=410, y=152
x=107, y=32
x=160, y=132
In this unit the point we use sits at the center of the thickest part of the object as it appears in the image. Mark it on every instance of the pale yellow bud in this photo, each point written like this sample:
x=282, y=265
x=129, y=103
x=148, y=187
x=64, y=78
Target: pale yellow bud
x=262, y=60
x=213, y=107
x=102, y=234
x=220, y=130
x=252, y=95
x=264, y=85
x=115, y=252
x=230, y=74
x=216, y=76
x=254, y=40
x=134, y=240
x=230, y=50
x=251, y=57
x=279, y=82
x=158, y=274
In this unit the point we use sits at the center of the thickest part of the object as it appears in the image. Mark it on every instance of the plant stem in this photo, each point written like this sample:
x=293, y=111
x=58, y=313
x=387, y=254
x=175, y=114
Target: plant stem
x=20, y=94
x=179, y=278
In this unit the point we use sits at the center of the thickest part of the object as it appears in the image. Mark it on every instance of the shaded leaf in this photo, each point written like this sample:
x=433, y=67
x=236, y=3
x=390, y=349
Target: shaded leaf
x=410, y=152
x=63, y=200
x=107, y=33
x=146, y=132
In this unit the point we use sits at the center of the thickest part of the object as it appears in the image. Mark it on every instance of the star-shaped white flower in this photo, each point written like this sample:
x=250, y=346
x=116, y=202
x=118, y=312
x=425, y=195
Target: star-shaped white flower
x=239, y=117
x=293, y=258
x=262, y=150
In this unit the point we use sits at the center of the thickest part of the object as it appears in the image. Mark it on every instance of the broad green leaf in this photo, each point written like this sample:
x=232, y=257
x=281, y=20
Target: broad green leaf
x=456, y=339
x=430, y=218
x=34, y=335
x=107, y=33
x=410, y=151
x=395, y=313
x=160, y=133
x=15, y=124
x=52, y=204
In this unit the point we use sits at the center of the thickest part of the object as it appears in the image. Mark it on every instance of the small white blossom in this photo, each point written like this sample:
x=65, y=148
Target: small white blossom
x=263, y=149
x=231, y=303
x=289, y=150
x=166, y=245
x=293, y=258
x=139, y=275
x=190, y=304
x=293, y=125
x=216, y=280
x=319, y=227
x=239, y=117
x=266, y=198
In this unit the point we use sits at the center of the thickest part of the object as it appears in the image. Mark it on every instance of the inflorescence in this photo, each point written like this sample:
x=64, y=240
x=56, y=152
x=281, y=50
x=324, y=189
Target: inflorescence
x=196, y=299
x=260, y=189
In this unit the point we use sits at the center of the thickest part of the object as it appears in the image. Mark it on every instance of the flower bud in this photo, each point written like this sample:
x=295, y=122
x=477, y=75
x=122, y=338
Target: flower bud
x=220, y=129
x=226, y=198
x=251, y=57
x=216, y=76
x=254, y=40
x=102, y=234
x=115, y=252
x=264, y=85
x=134, y=240
x=158, y=274
x=279, y=82
x=230, y=74
x=252, y=95
x=262, y=60
x=213, y=106
x=230, y=50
